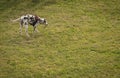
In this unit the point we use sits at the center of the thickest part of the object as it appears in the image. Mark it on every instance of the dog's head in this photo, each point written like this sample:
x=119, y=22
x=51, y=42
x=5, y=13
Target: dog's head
x=43, y=21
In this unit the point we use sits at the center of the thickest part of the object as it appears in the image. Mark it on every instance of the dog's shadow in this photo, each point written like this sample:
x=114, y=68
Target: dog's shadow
x=35, y=35
x=31, y=36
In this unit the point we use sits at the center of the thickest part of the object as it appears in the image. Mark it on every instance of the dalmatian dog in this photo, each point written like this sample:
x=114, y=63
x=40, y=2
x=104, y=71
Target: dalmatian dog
x=29, y=19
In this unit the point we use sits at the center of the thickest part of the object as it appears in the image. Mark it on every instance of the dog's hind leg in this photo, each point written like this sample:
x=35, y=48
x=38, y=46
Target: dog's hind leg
x=26, y=30
x=21, y=25
x=20, y=29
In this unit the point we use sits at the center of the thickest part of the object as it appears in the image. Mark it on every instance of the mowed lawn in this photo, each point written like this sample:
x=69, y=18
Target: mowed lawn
x=82, y=39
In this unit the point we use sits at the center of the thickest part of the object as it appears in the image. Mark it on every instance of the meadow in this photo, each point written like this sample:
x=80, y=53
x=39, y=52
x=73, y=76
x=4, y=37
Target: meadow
x=82, y=39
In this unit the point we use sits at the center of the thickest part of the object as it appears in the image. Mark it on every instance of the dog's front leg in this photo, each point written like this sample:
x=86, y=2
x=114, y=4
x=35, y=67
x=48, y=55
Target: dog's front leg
x=35, y=27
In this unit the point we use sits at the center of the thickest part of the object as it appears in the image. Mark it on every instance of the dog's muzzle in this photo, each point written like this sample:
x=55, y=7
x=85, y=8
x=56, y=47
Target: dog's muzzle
x=46, y=23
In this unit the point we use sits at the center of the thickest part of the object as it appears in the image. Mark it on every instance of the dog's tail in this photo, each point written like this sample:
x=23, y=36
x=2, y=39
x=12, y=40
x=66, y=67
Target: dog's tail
x=15, y=20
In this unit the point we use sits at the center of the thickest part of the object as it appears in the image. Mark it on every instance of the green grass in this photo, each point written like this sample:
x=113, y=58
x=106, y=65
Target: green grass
x=82, y=39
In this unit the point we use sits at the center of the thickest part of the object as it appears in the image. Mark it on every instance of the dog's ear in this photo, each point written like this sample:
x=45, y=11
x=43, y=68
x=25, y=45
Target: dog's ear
x=44, y=18
x=45, y=21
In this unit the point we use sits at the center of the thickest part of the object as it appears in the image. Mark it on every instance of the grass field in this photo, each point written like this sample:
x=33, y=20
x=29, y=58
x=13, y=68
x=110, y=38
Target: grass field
x=82, y=39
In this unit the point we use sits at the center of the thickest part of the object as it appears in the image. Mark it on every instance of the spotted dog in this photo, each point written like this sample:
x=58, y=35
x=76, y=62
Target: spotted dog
x=29, y=19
